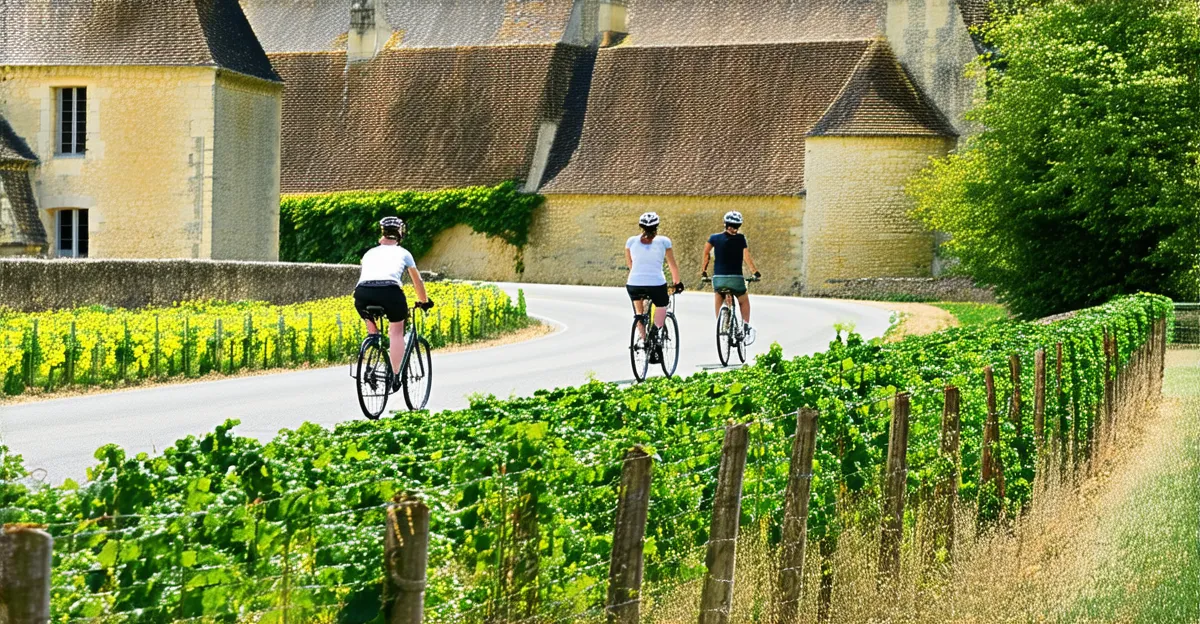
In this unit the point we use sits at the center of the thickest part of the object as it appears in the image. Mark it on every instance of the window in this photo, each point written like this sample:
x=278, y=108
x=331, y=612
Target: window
x=71, y=227
x=72, y=120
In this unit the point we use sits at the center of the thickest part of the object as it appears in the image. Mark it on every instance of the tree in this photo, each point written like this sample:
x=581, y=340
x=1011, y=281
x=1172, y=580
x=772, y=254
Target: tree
x=1084, y=182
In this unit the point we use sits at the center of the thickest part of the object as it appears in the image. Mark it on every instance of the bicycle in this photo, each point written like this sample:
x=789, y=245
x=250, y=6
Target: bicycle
x=374, y=371
x=729, y=328
x=664, y=341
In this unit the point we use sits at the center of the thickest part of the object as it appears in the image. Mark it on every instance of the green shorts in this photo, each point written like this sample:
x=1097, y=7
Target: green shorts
x=735, y=284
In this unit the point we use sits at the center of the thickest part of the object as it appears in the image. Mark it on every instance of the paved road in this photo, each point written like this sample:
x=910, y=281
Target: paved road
x=592, y=335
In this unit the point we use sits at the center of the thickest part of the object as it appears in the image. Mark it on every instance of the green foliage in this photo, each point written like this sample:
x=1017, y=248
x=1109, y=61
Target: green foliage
x=340, y=227
x=975, y=313
x=211, y=526
x=1083, y=183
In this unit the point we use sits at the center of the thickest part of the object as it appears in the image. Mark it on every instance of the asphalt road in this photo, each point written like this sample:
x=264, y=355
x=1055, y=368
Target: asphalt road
x=591, y=339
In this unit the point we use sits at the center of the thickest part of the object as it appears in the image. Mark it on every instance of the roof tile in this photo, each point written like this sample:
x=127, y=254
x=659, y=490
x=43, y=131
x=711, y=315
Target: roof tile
x=688, y=22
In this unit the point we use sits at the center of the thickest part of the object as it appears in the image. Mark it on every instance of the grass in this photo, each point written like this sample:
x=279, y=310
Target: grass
x=1152, y=573
x=974, y=313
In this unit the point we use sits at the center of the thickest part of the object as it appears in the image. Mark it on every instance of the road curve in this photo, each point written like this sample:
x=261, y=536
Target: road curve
x=60, y=436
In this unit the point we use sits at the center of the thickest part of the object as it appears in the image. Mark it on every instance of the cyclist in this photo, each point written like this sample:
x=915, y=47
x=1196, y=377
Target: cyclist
x=644, y=254
x=731, y=250
x=383, y=268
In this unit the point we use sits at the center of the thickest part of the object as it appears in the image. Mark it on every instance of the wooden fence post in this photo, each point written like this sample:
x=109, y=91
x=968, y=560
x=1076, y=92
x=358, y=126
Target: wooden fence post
x=1110, y=384
x=895, y=484
x=795, y=518
x=716, y=598
x=25, y=575
x=1016, y=406
x=990, y=459
x=946, y=491
x=625, y=569
x=1061, y=432
x=1039, y=402
x=406, y=553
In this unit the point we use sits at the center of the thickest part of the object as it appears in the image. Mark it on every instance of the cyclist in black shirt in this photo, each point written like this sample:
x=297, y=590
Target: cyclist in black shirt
x=731, y=250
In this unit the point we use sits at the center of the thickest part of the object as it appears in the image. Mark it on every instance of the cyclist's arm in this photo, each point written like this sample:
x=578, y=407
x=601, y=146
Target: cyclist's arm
x=704, y=261
x=749, y=260
x=674, y=266
x=628, y=259
x=418, y=284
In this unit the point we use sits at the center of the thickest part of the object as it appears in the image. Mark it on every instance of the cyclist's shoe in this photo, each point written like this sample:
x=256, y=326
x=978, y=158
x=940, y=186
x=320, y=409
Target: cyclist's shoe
x=748, y=334
x=396, y=379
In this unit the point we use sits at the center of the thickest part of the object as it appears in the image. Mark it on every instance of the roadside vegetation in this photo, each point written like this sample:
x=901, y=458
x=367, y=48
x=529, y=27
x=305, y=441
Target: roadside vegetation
x=522, y=490
x=1082, y=183
x=969, y=314
x=100, y=346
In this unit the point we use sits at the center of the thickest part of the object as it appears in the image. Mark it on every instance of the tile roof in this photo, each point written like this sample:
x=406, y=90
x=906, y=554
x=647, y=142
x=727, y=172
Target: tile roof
x=975, y=12
x=881, y=100
x=705, y=120
x=14, y=185
x=322, y=25
x=206, y=33
x=12, y=146
x=689, y=22
x=418, y=119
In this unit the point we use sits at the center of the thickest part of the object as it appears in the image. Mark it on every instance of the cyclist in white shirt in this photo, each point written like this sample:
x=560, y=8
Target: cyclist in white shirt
x=644, y=255
x=383, y=269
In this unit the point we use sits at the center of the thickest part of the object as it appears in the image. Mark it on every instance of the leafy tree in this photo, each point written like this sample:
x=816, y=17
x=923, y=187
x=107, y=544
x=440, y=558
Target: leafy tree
x=1084, y=183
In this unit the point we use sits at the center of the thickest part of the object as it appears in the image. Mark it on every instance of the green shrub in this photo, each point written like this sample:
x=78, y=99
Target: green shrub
x=339, y=227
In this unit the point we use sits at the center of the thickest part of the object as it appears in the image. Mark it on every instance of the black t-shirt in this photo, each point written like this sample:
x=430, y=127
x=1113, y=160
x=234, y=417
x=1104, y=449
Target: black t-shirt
x=727, y=253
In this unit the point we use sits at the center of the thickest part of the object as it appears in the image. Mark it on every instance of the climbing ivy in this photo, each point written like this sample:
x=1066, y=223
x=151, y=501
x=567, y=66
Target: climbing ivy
x=339, y=227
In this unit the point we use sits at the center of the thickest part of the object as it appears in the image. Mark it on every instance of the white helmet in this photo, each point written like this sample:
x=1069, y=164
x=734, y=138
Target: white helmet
x=650, y=219
x=733, y=217
x=395, y=225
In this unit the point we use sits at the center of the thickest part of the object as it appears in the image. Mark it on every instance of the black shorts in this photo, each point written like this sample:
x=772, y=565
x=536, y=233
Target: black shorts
x=657, y=294
x=391, y=298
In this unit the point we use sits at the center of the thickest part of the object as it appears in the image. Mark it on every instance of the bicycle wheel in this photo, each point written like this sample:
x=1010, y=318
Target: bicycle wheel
x=639, y=353
x=669, y=339
x=724, y=334
x=374, y=371
x=418, y=374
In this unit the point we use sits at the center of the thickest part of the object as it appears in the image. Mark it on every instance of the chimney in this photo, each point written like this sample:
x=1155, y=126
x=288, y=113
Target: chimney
x=369, y=30
x=611, y=23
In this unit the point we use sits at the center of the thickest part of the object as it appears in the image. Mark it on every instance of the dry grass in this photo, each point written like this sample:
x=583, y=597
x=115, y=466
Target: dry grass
x=916, y=319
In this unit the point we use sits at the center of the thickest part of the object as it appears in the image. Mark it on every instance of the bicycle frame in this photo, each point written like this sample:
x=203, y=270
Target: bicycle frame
x=381, y=323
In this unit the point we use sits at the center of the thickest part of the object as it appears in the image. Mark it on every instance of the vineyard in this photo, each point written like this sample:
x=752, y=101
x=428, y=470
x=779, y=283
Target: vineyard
x=100, y=346
x=523, y=493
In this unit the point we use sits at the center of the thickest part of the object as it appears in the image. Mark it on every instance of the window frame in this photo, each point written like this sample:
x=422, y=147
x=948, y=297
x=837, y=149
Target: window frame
x=80, y=244
x=78, y=117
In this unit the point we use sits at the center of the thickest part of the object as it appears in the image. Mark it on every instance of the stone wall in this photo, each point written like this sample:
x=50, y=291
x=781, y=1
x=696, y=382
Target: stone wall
x=246, y=165
x=856, y=223
x=911, y=289
x=580, y=239
x=31, y=285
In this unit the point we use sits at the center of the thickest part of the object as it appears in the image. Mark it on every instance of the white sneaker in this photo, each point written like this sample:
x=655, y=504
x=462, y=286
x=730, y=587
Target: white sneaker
x=749, y=333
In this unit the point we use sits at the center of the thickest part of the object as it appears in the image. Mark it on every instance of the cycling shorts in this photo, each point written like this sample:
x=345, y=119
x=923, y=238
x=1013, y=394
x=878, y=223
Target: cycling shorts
x=736, y=284
x=657, y=294
x=390, y=297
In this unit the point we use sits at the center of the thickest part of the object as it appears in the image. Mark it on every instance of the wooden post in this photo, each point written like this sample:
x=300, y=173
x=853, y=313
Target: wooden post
x=25, y=575
x=1061, y=429
x=795, y=518
x=625, y=570
x=716, y=599
x=1015, y=410
x=895, y=484
x=406, y=553
x=990, y=460
x=1110, y=382
x=1039, y=401
x=946, y=491
x=825, y=599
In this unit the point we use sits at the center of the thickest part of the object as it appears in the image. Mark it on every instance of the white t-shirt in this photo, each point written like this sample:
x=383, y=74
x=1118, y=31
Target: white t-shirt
x=385, y=263
x=647, y=260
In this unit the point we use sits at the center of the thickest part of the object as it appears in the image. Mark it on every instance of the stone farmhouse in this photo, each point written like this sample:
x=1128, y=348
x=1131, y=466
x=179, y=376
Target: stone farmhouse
x=806, y=115
x=137, y=129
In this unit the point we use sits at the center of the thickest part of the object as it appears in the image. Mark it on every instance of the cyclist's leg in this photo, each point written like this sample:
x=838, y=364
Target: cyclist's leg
x=639, y=306
x=744, y=303
x=361, y=301
x=718, y=300
x=396, y=338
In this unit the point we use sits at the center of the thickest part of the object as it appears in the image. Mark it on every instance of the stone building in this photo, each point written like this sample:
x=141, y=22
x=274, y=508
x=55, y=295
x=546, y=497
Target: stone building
x=152, y=129
x=806, y=115
x=21, y=231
